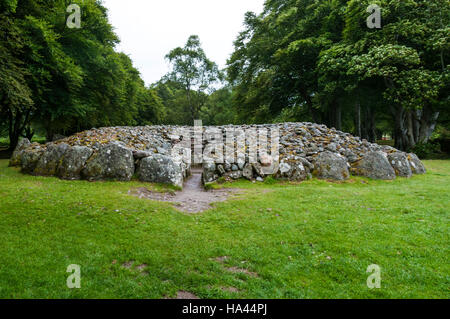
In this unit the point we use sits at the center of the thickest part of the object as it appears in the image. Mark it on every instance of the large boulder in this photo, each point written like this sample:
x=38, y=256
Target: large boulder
x=112, y=161
x=73, y=162
x=374, y=165
x=160, y=168
x=17, y=154
x=291, y=170
x=209, y=172
x=400, y=164
x=417, y=166
x=30, y=158
x=247, y=171
x=330, y=165
x=49, y=162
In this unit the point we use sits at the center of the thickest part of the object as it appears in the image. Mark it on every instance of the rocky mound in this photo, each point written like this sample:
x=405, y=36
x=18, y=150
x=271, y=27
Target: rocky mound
x=304, y=150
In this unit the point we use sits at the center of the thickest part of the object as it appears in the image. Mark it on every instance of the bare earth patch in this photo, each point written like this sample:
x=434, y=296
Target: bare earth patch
x=229, y=289
x=242, y=270
x=192, y=199
x=128, y=264
x=235, y=270
x=186, y=295
x=221, y=259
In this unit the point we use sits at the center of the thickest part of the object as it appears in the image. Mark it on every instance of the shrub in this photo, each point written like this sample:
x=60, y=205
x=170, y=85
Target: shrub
x=426, y=150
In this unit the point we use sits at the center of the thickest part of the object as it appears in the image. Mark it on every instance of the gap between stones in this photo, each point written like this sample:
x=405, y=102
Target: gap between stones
x=194, y=198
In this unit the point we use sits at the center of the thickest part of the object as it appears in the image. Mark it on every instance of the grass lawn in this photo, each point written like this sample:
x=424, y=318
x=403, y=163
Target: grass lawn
x=309, y=240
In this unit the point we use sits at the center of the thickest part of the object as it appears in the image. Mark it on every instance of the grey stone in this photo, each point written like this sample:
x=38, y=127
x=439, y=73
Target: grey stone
x=331, y=147
x=240, y=163
x=417, y=166
x=330, y=165
x=50, y=160
x=298, y=172
x=17, y=154
x=266, y=160
x=257, y=168
x=400, y=164
x=73, y=162
x=209, y=172
x=374, y=165
x=247, y=172
x=221, y=170
x=30, y=158
x=235, y=174
x=294, y=171
x=112, y=162
x=303, y=143
x=160, y=169
x=141, y=154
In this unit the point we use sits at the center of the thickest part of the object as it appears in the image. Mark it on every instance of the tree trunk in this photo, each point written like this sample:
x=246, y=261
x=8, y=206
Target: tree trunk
x=358, y=118
x=372, y=134
x=338, y=117
x=428, y=123
x=399, y=128
x=14, y=129
x=410, y=130
x=191, y=107
x=29, y=133
x=364, y=124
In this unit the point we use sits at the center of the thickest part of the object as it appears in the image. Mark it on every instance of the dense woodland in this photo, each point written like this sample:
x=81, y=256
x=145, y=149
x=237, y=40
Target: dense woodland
x=299, y=60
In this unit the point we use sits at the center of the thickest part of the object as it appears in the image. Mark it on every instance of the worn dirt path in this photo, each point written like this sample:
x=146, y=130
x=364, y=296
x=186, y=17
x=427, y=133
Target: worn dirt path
x=193, y=198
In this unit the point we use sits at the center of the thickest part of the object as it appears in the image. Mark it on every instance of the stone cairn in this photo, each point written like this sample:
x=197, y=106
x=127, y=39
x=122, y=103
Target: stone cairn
x=121, y=153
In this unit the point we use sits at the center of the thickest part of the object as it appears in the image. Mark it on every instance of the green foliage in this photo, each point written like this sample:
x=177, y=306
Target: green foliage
x=195, y=73
x=217, y=109
x=321, y=57
x=426, y=150
x=65, y=80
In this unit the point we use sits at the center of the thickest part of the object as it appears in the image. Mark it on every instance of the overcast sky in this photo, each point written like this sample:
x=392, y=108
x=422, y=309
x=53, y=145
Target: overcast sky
x=149, y=29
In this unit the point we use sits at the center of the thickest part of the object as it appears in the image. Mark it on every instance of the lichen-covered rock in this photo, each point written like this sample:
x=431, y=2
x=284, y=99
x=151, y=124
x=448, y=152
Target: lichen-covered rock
x=30, y=158
x=374, y=165
x=17, y=154
x=160, y=168
x=235, y=174
x=209, y=172
x=50, y=160
x=330, y=165
x=417, y=166
x=141, y=154
x=292, y=170
x=266, y=160
x=400, y=164
x=258, y=169
x=247, y=171
x=294, y=158
x=73, y=162
x=111, y=162
x=298, y=172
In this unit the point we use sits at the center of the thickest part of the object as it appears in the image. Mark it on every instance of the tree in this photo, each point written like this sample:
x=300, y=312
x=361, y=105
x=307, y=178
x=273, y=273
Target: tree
x=320, y=56
x=16, y=103
x=217, y=109
x=62, y=79
x=195, y=72
x=406, y=58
